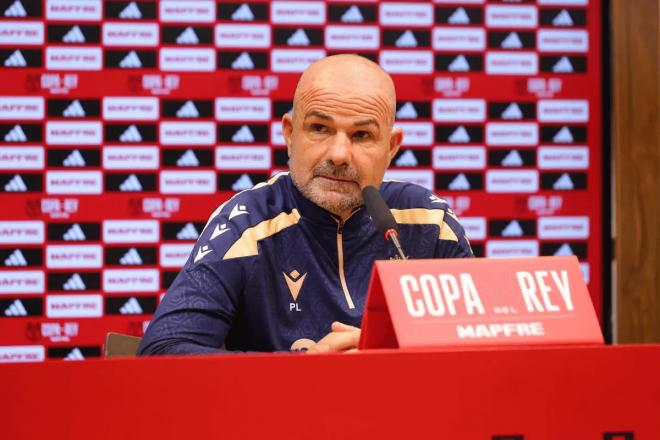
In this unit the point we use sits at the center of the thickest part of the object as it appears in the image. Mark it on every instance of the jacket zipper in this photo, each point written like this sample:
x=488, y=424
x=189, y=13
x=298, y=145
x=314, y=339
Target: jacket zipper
x=340, y=258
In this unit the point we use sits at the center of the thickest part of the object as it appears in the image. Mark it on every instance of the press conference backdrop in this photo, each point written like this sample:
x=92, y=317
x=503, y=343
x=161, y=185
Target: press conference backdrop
x=123, y=125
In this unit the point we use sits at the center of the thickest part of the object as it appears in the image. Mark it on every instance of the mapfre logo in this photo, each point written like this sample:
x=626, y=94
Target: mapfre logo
x=501, y=16
x=74, y=182
x=418, y=177
x=187, y=11
x=459, y=158
x=239, y=158
x=518, y=181
x=74, y=133
x=512, y=248
x=456, y=110
x=74, y=256
x=566, y=158
x=507, y=63
x=409, y=61
x=242, y=35
x=352, y=37
x=74, y=58
x=126, y=108
x=505, y=134
x=187, y=133
x=23, y=281
x=406, y=14
x=74, y=306
x=416, y=133
x=187, y=60
x=563, y=227
x=21, y=107
x=475, y=227
x=21, y=158
x=187, y=182
x=22, y=232
x=175, y=255
x=21, y=33
x=130, y=231
x=550, y=40
x=451, y=38
x=130, y=34
x=131, y=280
x=73, y=10
x=294, y=60
x=563, y=110
x=309, y=12
x=22, y=353
x=124, y=158
x=240, y=109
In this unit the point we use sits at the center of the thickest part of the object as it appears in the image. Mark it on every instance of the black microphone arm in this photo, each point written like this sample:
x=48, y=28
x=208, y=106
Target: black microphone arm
x=382, y=218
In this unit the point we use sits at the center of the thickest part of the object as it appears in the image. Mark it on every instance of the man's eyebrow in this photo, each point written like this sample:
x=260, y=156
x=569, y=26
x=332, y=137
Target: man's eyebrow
x=366, y=122
x=318, y=114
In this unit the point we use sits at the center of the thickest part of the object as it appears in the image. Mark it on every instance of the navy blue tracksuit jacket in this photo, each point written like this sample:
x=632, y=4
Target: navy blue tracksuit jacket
x=271, y=267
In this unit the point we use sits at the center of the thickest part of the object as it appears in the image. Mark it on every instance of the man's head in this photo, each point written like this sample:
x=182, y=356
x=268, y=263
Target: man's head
x=340, y=136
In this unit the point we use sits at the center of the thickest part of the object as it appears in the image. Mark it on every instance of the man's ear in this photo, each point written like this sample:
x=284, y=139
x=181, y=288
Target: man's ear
x=287, y=130
x=396, y=137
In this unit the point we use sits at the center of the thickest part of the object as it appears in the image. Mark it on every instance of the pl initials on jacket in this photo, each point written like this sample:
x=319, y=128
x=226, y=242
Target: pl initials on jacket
x=271, y=268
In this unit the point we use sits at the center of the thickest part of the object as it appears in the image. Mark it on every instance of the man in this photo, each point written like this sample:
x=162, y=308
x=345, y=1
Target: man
x=286, y=265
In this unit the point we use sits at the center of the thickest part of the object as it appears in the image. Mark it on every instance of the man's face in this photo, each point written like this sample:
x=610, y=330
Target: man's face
x=338, y=143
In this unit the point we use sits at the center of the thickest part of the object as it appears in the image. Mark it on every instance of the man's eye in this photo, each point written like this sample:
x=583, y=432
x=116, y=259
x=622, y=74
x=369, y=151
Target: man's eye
x=318, y=128
x=361, y=135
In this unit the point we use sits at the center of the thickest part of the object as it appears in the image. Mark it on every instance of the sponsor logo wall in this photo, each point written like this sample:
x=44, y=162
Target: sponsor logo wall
x=124, y=124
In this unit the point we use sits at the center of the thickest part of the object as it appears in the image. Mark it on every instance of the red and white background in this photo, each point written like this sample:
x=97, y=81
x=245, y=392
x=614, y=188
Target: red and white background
x=124, y=124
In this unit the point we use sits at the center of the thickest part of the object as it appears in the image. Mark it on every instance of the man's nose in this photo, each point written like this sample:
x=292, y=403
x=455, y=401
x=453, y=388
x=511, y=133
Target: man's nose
x=340, y=149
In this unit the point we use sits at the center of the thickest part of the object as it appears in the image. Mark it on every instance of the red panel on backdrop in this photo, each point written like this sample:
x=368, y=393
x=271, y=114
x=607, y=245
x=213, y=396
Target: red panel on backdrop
x=153, y=113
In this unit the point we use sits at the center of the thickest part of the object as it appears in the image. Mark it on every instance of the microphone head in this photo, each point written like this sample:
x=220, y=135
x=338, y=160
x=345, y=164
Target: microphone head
x=378, y=210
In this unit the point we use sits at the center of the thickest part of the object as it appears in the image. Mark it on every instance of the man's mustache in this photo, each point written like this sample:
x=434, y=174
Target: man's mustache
x=330, y=169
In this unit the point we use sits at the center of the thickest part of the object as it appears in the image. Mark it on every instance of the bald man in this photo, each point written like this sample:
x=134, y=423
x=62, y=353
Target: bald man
x=286, y=265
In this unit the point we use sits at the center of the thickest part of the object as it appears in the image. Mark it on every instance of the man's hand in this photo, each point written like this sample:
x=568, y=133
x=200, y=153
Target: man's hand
x=343, y=337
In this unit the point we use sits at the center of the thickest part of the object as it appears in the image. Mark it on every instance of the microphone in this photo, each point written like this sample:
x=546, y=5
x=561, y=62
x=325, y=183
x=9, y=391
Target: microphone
x=382, y=218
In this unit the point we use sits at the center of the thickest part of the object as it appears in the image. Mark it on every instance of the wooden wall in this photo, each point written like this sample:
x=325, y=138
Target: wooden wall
x=636, y=168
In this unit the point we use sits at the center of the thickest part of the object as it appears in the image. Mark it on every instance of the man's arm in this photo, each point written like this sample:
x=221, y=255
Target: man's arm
x=452, y=242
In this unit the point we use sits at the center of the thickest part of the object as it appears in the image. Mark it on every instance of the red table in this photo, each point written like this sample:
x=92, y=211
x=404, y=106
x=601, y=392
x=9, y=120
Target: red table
x=516, y=393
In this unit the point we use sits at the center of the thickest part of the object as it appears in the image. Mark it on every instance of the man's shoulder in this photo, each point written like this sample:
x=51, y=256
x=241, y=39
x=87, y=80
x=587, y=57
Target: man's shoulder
x=406, y=195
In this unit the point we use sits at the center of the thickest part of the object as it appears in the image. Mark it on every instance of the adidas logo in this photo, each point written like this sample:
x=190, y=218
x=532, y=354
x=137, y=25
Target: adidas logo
x=407, y=111
x=459, y=16
x=16, y=59
x=131, y=258
x=188, y=36
x=407, y=39
x=243, y=61
x=298, y=38
x=16, y=134
x=130, y=61
x=74, y=283
x=188, y=232
x=131, y=12
x=562, y=19
x=563, y=65
x=460, y=135
x=74, y=35
x=243, y=13
x=242, y=183
x=512, y=41
x=16, y=9
x=16, y=258
x=74, y=233
x=243, y=134
x=512, y=159
x=407, y=159
x=131, y=134
x=512, y=112
x=75, y=159
x=564, y=250
x=513, y=229
x=459, y=64
x=16, y=309
x=188, y=159
x=74, y=110
x=459, y=182
x=563, y=136
x=564, y=182
x=132, y=183
x=16, y=184
x=352, y=15
x=131, y=307
x=187, y=110
x=74, y=355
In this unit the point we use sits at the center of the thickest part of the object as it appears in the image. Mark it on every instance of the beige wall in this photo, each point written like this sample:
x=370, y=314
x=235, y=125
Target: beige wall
x=636, y=168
